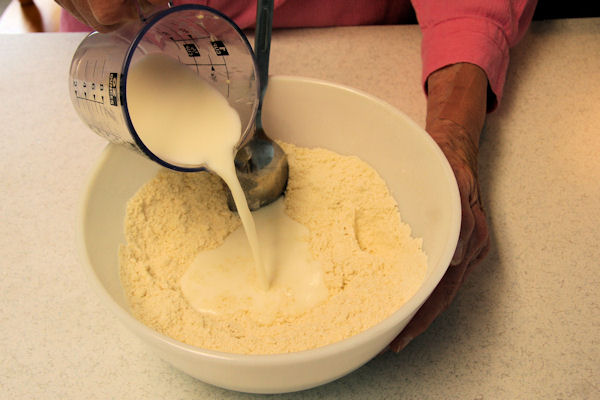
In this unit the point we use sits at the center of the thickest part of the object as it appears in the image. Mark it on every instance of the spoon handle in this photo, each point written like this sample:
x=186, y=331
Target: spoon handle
x=262, y=41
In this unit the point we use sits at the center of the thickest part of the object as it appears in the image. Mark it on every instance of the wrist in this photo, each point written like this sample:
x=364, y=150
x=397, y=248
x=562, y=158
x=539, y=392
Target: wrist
x=458, y=145
x=458, y=93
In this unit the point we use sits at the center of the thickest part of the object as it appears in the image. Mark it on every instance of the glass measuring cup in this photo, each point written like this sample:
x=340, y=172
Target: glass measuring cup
x=197, y=36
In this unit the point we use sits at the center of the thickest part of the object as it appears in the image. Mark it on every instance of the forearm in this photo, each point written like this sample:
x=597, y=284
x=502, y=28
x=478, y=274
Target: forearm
x=457, y=94
x=472, y=31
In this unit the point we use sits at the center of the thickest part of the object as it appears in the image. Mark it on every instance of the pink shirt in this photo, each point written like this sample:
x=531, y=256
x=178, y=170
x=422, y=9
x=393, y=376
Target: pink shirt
x=480, y=32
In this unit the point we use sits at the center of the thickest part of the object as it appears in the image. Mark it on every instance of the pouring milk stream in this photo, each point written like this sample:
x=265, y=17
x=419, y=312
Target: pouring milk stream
x=166, y=96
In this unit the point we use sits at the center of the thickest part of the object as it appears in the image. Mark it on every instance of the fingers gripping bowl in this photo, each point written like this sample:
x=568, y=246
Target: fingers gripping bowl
x=307, y=113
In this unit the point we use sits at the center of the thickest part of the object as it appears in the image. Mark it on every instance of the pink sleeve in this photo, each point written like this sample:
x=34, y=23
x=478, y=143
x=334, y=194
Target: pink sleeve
x=69, y=23
x=480, y=32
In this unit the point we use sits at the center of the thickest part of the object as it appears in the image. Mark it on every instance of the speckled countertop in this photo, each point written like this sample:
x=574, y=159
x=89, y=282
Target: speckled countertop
x=526, y=324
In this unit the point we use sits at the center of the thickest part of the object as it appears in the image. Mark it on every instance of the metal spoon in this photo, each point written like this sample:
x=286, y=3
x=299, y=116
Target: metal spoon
x=261, y=165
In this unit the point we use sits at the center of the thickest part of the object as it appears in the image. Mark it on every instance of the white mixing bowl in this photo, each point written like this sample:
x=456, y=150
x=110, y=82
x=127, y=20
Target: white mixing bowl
x=313, y=114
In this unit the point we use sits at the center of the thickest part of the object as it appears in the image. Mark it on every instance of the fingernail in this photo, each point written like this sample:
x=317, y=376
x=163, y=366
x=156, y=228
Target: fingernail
x=402, y=343
x=458, y=253
x=406, y=341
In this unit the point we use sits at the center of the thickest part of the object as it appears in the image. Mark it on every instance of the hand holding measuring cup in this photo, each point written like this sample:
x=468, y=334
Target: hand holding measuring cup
x=106, y=15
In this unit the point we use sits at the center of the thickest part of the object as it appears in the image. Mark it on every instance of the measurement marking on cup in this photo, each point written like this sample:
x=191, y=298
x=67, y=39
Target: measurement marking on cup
x=93, y=98
x=93, y=92
x=219, y=47
x=203, y=64
x=112, y=88
x=195, y=48
x=191, y=50
x=227, y=72
x=189, y=38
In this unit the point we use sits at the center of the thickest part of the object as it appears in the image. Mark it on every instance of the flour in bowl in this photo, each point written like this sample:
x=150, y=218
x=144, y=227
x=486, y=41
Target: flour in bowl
x=365, y=264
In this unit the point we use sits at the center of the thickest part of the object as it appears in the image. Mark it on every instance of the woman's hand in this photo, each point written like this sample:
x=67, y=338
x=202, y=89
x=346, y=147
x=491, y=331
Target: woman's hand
x=456, y=109
x=105, y=15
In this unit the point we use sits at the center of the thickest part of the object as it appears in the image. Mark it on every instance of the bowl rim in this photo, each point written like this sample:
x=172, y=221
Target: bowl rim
x=410, y=306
